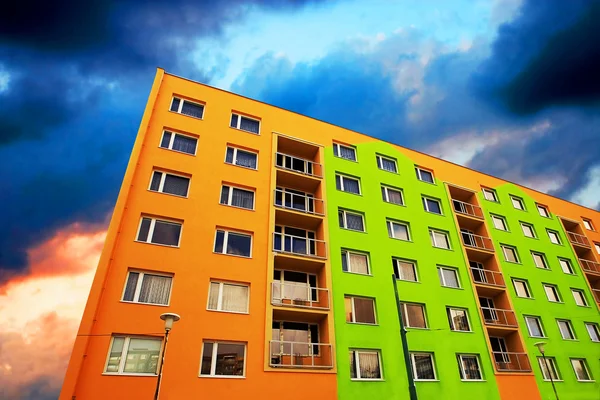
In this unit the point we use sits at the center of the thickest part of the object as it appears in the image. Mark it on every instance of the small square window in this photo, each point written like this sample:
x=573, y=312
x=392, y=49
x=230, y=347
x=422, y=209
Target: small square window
x=439, y=239
x=360, y=310
x=458, y=319
x=187, y=107
x=387, y=164
x=241, y=158
x=355, y=262
x=534, y=326
x=499, y=222
x=517, y=203
x=553, y=236
x=448, y=277
x=423, y=366
x=413, y=315
x=133, y=355
x=405, y=270
x=566, y=266
x=392, y=195
x=522, y=288
x=539, y=259
x=147, y=288
x=223, y=359
x=597, y=247
x=233, y=243
x=566, y=329
x=588, y=224
x=581, y=369
x=548, y=368
x=237, y=197
x=159, y=231
x=347, y=184
x=468, y=366
x=351, y=220
x=346, y=152
x=579, y=297
x=398, y=230
x=490, y=194
x=528, y=230
x=243, y=123
x=424, y=175
x=178, y=142
x=164, y=182
x=432, y=205
x=543, y=210
x=510, y=254
x=229, y=297
x=593, y=330
x=552, y=293
x=365, y=365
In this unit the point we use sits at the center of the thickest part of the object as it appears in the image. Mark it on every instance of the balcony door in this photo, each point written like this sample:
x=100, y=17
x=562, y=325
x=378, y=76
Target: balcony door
x=294, y=339
x=294, y=164
x=501, y=355
x=478, y=272
x=468, y=237
x=488, y=309
x=294, y=199
x=295, y=287
x=294, y=240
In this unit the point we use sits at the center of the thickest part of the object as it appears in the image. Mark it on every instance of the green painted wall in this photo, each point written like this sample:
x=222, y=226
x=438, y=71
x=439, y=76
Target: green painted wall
x=569, y=388
x=445, y=344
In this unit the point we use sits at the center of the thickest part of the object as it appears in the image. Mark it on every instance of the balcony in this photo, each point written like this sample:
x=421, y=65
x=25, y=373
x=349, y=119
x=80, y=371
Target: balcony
x=511, y=362
x=487, y=277
x=299, y=295
x=596, y=293
x=578, y=240
x=477, y=242
x=499, y=318
x=590, y=266
x=299, y=246
x=286, y=354
x=302, y=203
x=468, y=209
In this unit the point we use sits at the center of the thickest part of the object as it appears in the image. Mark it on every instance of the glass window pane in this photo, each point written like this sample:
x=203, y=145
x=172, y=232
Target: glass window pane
x=114, y=357
x=229, y=155
x=192, y=109
x=132, y=279
x=404, y=270
x=359, y=263
x=155, y=289
x=423, y=364
x=206, y=358
x=415, y=316
x=213, y=295
x=177, y=185
x=185, y=144
x=155, y=184
x=144, y=229
x=142, y=356
x=249, y=125
x=219, y=240
x=353, y=365
x=166, y=233
x=234, y=121
x=166, y=140
x=365, y=310
x=235, y=298
x=354, y=222
x=175, y=104
x=238, y=244
x=230, y=359
x=369, y=365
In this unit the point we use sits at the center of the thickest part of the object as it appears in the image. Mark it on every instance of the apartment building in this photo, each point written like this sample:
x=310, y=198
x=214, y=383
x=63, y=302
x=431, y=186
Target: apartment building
x=279, y=240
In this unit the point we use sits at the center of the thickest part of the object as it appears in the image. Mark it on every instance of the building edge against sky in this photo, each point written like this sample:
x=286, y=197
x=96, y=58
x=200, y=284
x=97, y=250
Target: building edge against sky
x=280, y=262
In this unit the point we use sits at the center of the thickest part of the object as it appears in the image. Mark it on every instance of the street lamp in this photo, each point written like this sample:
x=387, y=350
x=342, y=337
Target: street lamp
x=169, y=319
x=412, y=389
x=540, y=347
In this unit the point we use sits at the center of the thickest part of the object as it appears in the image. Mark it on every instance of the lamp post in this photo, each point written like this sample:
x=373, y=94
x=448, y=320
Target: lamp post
x=540, y=347
x=169, y=319
x=412, y=389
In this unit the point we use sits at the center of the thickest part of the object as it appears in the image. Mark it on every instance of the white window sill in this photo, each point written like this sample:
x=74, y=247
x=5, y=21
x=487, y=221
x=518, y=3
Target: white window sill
x=143, y=304
x=232, y=255
x=553, y=380
x=361, y=323
x=347, y=159
x=128, y=374
x=427, y=380
x=190, y=116
x=241, y=166
x=178, y=151
x=228, y=312
x=582, y=381
x=244, y=130
x=223, y=376
x=367, y=380
x=356, y=273
x=238, y=207
x=473, y=380
x=168, y=194
x=157, y=244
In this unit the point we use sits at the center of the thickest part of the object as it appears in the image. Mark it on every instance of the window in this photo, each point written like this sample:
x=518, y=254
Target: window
x=147, y=288
x=413, y=315
x=365, y=364
x=548, y=367
x=344, y=151
x=233, y=243
x=178, y=142
x=468, y=366
x=566, y=329
x=539, y=259
x=534, y=326
x=236, y=197
x=404, y=270
x=347, y=184
x=579, y=297
x=423, y=368
x=448, y=277
x=439, y=239
x=355, y=262
x=566, y=266
x=387, y=164
x=398, y=230
x=391, y=195
x=158, y=231
x=552, y=293
x=499, y=222
x=490, y=194
x=554, y=236
x=360, y=310
x=229, y=297
x=458, y=319
x=424, y=175
x=517, y=203
x=581, y=369
x=241, y=158
x=593, y=331
x=187, y=107
x=432, y=205
x=528, y=230
x=588, y=224
x=223, y=359
x=168, y=183
x=597, y=246
x=244, y=123
x=133, y=355
x=543, y=210
x=521, y=288
x=351, y=220
x=510, y=254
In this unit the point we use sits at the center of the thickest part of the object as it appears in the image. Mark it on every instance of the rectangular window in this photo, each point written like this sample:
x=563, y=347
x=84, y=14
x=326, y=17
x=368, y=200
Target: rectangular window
x=355, y=262
x=360, y=310
x=241, y=158
x=413, y=315
x=548, y=368
x=510, y=254
x=579, y=297
x=244, y=123
x=347, y=184
x=186, y=107
x=597, y=246
x=588, y=224
x=387, y=164
x=517, y=203
x=439, y=239
x=223, y=359
x=566, y=266
x=553, y=236
x=521, y=288
x=228, y=297
x=351, y=220
x=490, y=194
x=147, y=288
x=566, y=329
x=398, y=230
x=552, y=293
x=233, y=243
x=365, y=365
x=133, y=355
x=158, y=231
x=528, y=230
x=236, y=197
x=404, y=270
x=539, y=259
x=424, y=175
x=581, y=369
x=593, y=331
x=432, y=205
x=543, y=210
x=344, y=151
x=499, y=222
x=458, y=319
x=468, y=366
x=391, y=195
x=164, y=182
x=423, y=367
x=448, y=277
x=534, y=326
x=178, y=142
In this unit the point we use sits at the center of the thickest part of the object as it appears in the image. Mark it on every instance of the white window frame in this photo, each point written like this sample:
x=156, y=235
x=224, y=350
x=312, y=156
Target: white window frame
x=553, y=234
x=545, y=213
x=443, y=279
x=502, y=220
x=405, y=313
x=163, y=178
x=396, y=260
x=555, y=292
x=538, y=320
x=549, y=365
x=392, y=222
x=487, y=193
x=542, y=256
x=345, y=212
x=434, y=241
x=346, y=254
x=230, y=196
x=235, y=150
x=337, y=153
x=172, y=140
x=354, y=310
x=342, y=189
x=220, y=297
x=583, y=363
x=387, y=196
x=225, y=239
x=138, y=287
x=588, y=224
x=525, y=225
x=239, y=123
x=462, y=367
x=525, y=288
x=380, y=163
x=426, y=205
x=597, y=246
x=419, y=170
x=355, y=353
x=181, y=101
x=569, y=326
x=123, y=359
x=151, y=230
x=414, y=366
x=596, y=328
x=582, y=296
x=213, y=360
x=515, y=253
x=517, y=200
x=568, y=262
x=451, y=322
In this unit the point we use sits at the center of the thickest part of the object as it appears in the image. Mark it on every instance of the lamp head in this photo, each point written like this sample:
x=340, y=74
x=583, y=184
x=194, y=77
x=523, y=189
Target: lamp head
x=540, y=346
x=169, y=319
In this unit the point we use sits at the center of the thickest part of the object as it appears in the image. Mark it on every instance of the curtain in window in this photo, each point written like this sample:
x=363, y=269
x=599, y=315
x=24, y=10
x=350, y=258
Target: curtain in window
x=242, y=198
x=191, y=109
x=185, y=144
x=351, y=185
x=176, y=185
x=295, y=332
x=365, y=312
x=449, y=277
x=354, y=222
x=175, y=104
x=394, y=196
x=399, y=231
x=296, y=290
x=358, y=263
x=155, y=289
x=415, y=315
x=471, y=368
x=235, y=298
x=347, y=153
x=166, y=233
x=460, y=321
x=405, y=271
x=166, y=139
x=388, y=165
x=246, y=159
x=155, y=184
x=249, y=125
x=424, y=366
x=369, y=365
x=213, y=296
x=132, y=280
x=534, y=328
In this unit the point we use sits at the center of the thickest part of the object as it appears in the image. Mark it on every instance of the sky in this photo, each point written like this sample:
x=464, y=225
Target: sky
x=507, y=87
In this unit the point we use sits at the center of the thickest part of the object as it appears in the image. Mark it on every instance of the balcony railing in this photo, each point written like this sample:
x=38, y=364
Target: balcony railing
x=590, y=266
x=578, y=239
x=511, y=362
x=298, y=245
x=299, y=202
x=299, y=165
x=301, y=355
x=299, y=295
x=596, y=293
x=487, y=277
x=499, y=317
x=469, y=209
x=477, y=241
